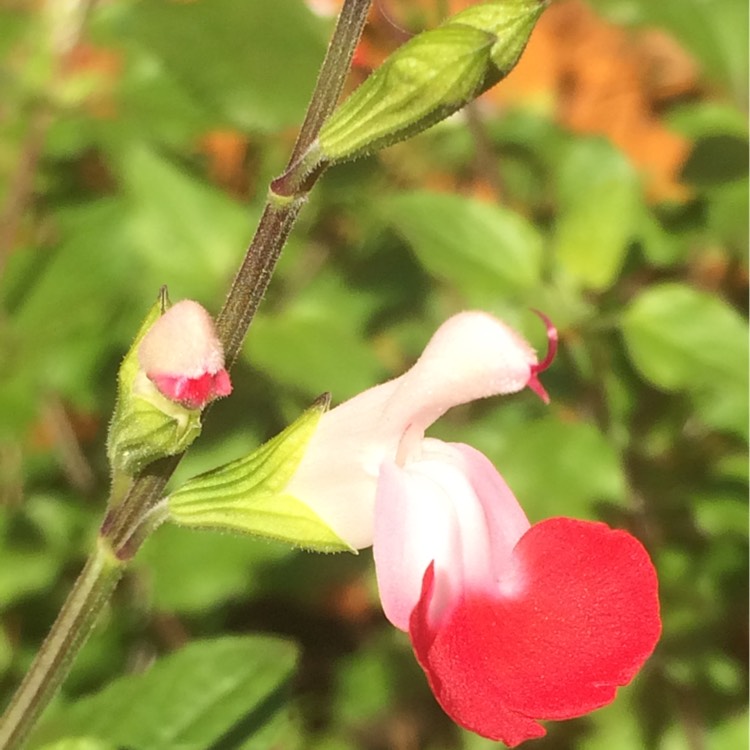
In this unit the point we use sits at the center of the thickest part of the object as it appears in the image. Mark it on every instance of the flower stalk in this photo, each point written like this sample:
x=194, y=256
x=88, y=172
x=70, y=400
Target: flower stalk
x=129, y=520
x=68, y=634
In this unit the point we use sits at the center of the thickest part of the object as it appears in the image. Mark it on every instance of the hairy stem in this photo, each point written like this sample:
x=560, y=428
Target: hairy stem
x=55, y=657
x=254, y=274
x=128, y=522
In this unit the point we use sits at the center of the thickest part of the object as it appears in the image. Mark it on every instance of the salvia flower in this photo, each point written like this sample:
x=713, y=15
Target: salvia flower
x=174, y=368
x=511, y=622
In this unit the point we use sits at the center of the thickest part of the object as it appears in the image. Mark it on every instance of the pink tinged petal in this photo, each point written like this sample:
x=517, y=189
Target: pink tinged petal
x=506, y=521
x=183, y=357
x=450, y=506
x=583, y=624
x=338, y=474
x=414, y=521
x=472, y=355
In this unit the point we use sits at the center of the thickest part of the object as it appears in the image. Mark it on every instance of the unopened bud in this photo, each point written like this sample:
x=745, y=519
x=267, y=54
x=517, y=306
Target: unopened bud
x=427, y=79
x=173, y=369
x=183, y=358
x=511, y=23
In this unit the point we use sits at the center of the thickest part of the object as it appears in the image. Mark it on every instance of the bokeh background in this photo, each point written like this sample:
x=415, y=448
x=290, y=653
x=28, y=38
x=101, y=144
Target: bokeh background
x=605, y=183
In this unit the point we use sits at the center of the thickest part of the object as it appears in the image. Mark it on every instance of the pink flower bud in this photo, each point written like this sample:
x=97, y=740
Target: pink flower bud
x=182, y=356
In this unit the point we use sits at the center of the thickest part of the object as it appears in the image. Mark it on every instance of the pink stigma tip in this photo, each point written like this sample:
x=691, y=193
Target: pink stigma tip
x=538, y=388
x=552, y=340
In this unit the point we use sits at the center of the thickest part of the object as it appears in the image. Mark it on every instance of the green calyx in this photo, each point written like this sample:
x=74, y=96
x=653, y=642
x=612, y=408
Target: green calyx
x=427, y=79
x=510, y=22
x=144, y=429
x=248, y=495
x=145, y=425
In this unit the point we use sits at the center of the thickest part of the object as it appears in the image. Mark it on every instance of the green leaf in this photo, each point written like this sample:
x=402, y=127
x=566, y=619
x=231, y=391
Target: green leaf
x=365, y=683
x=282, y=732
x=730, y=733
x=35, y=545
x=599, y=202
x=249, y=495
x=252, y=64
x=25, y=572
x=222, y=568
x=681, y=339
x=61, y=326
x=187, y=700
x=560, y=468
x=317, y=346
x=714, y=32
x=704, y=118
x=6, y=652
x=79, y=743
x=615, y=727
x=661, y=247
x=183, y=230
x=727, y=219
x=716, y=159
x=482, y=249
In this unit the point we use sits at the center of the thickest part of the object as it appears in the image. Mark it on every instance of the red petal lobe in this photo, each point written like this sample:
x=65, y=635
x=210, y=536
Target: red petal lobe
x=582, y=624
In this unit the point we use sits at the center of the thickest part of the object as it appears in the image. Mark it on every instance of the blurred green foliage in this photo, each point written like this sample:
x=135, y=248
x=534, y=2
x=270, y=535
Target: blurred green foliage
x=111, y=188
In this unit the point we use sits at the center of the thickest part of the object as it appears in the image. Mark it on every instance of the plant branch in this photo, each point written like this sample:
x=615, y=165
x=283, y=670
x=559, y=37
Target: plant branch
x=53, y=660
x=124, y=527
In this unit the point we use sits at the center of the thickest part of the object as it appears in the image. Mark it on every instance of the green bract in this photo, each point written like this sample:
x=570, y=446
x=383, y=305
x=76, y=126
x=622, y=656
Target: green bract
x=428, y=78
x=424, y=81
x=248, y=495
x=146, y=426
x=510, y=22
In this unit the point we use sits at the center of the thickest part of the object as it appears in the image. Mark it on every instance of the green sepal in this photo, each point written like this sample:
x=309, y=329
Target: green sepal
x=146, y=429
x=145, y=425
x=129, y=366
x=511, y=22
x=427, y=79
x=248, y=495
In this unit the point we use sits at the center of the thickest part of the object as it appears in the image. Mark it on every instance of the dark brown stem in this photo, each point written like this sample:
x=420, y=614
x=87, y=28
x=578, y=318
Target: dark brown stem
x=55, y=657
x=254, y=274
